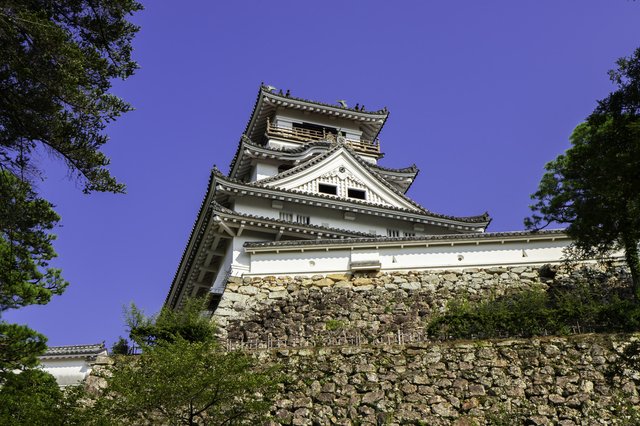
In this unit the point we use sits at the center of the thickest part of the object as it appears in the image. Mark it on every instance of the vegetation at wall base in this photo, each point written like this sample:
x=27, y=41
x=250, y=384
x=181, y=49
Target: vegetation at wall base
x=188, y=383
x=537, y=312
x=182, y=376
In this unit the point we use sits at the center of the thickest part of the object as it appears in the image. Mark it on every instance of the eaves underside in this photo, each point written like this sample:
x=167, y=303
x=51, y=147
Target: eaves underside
x=427, y=240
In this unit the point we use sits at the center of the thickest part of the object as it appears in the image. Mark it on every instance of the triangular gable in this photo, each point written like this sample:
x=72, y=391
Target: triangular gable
x=340, y=169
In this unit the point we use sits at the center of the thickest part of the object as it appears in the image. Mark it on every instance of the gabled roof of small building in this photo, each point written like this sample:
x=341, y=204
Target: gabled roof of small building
x=267, y=102
x=77, y=350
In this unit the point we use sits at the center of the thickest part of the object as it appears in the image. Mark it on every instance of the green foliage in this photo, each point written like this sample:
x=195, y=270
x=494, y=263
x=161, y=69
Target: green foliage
x=187, y=383
x=515, y=416
x=34, y=398
x=121, y=347
x=58, y=59
x=25, y=277
x=536, y=312
x=595, y=186
x=168, y=325
x=334, y=325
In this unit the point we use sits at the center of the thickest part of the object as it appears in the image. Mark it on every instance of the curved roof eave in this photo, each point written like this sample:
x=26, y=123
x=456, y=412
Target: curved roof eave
x=481, y=220
x=471, y=236
x=264, y=92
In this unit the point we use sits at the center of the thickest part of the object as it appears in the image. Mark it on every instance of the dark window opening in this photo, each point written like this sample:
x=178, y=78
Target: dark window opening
x=284, y=167
x=356, y=193
x=327, y=189
x=317, y=128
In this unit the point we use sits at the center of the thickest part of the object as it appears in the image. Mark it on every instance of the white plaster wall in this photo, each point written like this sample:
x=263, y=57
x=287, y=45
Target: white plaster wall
x=332, y=216
x=263, y=170
x=411, y=258
x=67, y=371
x=296, y=263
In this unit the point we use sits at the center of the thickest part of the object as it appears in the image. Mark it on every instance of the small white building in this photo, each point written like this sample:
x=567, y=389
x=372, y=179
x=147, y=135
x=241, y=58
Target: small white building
x=305, y=195
x=71, y=365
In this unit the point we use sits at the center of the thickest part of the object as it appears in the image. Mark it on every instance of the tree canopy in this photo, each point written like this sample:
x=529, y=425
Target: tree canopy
x=183, y=377
x=595, y=186
x=167, y=325
x=25, y=276
x=57, y=60
x=34, y=398
x=187, y=383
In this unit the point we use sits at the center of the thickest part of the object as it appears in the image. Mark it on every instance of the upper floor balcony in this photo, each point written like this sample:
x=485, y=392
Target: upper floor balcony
x=309, y=135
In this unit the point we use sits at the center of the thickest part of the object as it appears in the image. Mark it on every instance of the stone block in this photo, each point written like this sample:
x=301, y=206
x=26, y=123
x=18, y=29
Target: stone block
x=372, y=397
x=364, y=288
x=248, y=290
x=410, y=286
x=234, y=297
x=470, y=403
x=445, y=410
x=325, y=397
x=339, y=277
x=278, y=295
x=325, y=282
x=362, y=281
x=342, y=284
x=529, y=276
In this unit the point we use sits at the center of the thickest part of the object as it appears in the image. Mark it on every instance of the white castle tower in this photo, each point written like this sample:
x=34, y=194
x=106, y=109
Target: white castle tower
x=305, y=195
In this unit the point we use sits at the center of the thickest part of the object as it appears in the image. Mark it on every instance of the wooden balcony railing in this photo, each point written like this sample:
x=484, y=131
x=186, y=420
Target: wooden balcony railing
x=306, y=135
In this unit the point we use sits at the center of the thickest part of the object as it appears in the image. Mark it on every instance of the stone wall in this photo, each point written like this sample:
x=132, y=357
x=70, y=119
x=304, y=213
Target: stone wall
x=289, y=308
x=559, y=381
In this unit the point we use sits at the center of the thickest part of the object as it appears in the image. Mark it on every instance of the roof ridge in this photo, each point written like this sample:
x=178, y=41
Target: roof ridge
x=267, y=89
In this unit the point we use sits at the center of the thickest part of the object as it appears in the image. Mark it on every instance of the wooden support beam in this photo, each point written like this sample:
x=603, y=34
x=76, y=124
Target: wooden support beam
x=279, y=234
x=227, y=228
x=216, y=252
x=241, y=228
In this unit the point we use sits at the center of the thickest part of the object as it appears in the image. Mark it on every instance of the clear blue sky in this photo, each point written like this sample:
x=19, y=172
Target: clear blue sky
x=480, y=94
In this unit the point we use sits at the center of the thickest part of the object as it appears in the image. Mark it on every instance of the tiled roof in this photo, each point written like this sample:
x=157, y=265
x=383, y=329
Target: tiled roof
x=222, y=209
x=196, y=243
x=259, y=185
x=75, y=350
x=244, y=141
x=479, y=235
x=287, y=98
x=409, y=169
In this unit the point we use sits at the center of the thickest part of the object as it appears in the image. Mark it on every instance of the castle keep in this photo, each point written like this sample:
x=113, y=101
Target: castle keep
x=305, y=195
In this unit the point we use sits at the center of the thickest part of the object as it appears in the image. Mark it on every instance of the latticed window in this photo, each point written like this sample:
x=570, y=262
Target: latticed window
x=393, y=233
x=286, y=216
x=303, y=219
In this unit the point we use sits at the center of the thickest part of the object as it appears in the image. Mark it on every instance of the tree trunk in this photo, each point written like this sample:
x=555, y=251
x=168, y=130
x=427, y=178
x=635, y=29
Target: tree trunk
x=633, y=261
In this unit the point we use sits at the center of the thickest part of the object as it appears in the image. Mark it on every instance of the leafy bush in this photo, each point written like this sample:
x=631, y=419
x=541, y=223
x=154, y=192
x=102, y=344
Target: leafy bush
x=536, y=312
